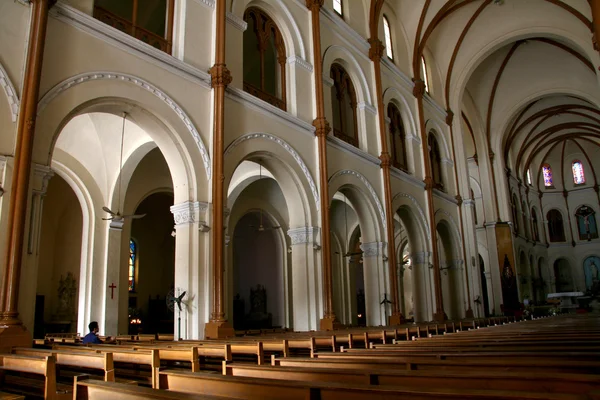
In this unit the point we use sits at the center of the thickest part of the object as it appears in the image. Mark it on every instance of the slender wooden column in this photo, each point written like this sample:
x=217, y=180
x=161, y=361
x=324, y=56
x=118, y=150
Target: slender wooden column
x=419, y=92
x=218, y=326
x=459, y=202
x=329, y=320
x=9, y=314
x=375, y=54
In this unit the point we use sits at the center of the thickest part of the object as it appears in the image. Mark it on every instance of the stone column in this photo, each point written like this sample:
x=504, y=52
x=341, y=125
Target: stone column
x=11, y=329
x=375, y=282
x=472, y=261
x=422, y=290
x=109, y=325
x=329, y=320
x=218, y=327
x=29, y=271
x=6, y=169
x=305, y=278
x=191, y=259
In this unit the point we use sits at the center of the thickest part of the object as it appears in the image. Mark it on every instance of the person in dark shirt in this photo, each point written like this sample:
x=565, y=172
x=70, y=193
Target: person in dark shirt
x=92, y=337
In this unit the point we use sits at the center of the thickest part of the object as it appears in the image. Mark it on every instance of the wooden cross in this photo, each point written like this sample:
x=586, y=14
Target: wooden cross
x=112, y=290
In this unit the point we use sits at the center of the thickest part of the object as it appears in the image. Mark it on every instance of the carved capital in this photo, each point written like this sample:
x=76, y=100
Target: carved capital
x=428, y=183
x=565, y=194
x=322, y=126
x=220, y=76
x=314, y=5
x=449, y=117
x=419, y=88
x=376, y=49
x=459, y=199
x=386, y=160
x=491, y=155
x=540, y=195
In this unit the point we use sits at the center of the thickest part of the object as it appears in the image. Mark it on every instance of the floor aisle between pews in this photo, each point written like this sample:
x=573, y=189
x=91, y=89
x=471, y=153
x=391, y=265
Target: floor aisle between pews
x=547, y=358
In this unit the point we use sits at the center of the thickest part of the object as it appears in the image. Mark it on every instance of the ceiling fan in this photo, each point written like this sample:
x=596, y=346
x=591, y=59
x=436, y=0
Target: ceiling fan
x=116, y=216
x=261, y=227
x=347, y=253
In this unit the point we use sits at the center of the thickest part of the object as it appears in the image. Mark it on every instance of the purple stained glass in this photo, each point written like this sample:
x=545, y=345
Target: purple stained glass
x=578, y=176
x=132, y=256
x=547, y=171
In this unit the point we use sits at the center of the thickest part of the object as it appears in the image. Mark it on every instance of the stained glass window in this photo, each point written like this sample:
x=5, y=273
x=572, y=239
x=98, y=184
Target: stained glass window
x=424, y=73
x=132, y=261
x=388, y=38
x=337, y=6
x=528, y=177
x=547, y=172
x=578, y=175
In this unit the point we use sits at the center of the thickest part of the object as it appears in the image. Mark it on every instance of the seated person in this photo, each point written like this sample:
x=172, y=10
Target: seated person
x=92, y=337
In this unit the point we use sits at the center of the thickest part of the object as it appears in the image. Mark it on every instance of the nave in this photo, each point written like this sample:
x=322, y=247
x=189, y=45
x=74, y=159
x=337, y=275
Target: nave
x=496, y=358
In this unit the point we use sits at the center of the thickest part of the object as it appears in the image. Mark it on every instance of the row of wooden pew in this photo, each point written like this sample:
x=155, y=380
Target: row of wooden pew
x=553, y=358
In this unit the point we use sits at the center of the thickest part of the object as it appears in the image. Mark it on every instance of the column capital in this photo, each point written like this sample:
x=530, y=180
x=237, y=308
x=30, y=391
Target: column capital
x=305, y=234
x=117, y=224
x=459, y=200
x=220, y=75
x=188, y=212
x=373, y=249
x=322, y=126
x=386, y=159
x=42, y=175
x=376, y=49
x=314, y=4
x=420, y=257
x=428, y=183
x=419, y=88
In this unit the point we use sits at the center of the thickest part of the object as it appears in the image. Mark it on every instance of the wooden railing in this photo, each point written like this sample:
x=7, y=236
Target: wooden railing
x=137, y=32
x=269, y=98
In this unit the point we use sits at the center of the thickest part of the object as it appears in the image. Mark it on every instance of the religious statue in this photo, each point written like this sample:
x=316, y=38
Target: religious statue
x=67, y=289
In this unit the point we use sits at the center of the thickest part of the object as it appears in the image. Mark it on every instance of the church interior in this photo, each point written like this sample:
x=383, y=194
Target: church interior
x=391, y=178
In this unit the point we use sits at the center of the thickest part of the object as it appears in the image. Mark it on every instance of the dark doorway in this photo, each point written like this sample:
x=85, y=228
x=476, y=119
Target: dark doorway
x=484, y=289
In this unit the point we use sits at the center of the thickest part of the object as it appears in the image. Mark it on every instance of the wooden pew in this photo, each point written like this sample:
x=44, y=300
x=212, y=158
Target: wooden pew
x=257, y=388
x=103, y=362
x=44, y=366
x=98, y=390
x=10, y=396
x=495, y=380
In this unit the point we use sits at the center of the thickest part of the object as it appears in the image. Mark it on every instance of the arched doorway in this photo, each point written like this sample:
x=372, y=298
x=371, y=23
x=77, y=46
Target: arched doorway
x=259, y=280
x=562, y=276
x=60, y=260
x=151, y=266
x=484, y=288
x=450, y=272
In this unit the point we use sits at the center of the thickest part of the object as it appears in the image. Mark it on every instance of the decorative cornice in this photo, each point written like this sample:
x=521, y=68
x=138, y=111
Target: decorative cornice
x=469, y=203
x=444, y=196
x=406, y=177
x=369, y=188
x=188, y=212
x=424, y=223
x=367, y=107
x=286, y=146
x=345, y=32
x=11, y=94
x=45, y=173
x=306, y=234
x=435, y=106
x=393, y=71
x=94, y=27
x=300, y=62
x=349, y=149
x=373, y=249
x=270, y=110
x=237, y=22
x=102, y=75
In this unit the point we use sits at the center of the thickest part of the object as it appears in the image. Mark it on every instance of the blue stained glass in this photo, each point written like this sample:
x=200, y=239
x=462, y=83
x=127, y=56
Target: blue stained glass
x=578, y=175
x=547, y=172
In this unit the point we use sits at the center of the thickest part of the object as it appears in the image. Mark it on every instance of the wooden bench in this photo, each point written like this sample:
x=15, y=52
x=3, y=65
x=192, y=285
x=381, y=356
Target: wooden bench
x=43, y=366
x=102, y=362
x=257, y=388
x=11, y=396
x=98, y=390
x=496, y=380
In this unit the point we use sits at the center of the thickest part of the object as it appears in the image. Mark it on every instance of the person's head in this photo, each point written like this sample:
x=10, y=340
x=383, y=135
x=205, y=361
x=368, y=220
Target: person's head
x=93, y=327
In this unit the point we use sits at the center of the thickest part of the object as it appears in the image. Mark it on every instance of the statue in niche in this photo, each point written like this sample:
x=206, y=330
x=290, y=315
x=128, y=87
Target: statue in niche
x=67, y=289
x=258, y=317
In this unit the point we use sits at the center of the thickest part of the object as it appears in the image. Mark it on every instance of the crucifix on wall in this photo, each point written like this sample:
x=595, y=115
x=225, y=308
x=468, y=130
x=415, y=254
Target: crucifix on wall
x=584, y=212
x=112, y=290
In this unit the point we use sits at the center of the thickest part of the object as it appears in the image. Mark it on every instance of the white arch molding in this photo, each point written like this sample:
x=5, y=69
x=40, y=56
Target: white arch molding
x=450, y=219
x=419, y=209
x=331, y=54
x=287, y=147
x=103, y=75
x=11, y=93
x=369, y=187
